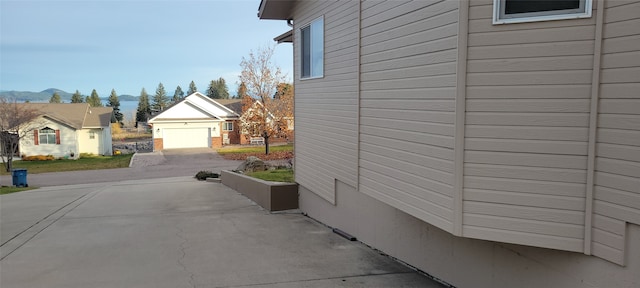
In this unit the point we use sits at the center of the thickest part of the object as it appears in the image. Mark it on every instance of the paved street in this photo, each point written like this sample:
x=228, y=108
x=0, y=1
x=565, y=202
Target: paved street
x=167, y=163
x=176, y=232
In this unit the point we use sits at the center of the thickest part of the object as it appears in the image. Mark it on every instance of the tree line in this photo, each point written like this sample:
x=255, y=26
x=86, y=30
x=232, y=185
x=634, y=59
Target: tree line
x=147, y=106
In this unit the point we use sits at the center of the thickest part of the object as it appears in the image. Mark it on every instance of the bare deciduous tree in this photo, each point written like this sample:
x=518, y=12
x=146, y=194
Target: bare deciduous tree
x=17, y=120
x=261, y=78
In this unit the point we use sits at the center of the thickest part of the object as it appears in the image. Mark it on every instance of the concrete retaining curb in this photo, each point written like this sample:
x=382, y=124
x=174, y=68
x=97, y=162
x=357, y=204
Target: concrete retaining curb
x=273, y=196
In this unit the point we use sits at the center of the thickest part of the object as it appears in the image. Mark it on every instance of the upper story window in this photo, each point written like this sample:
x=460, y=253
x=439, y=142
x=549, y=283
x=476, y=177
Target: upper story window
x=517, y=11
x=47, y=136
x=312, y=36
x=228, y=126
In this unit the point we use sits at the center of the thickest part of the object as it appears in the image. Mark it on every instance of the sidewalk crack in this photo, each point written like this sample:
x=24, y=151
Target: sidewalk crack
x=182, y=247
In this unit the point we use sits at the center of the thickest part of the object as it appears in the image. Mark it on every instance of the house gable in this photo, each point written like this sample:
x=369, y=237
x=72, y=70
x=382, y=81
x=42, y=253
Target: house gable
x=195, y=107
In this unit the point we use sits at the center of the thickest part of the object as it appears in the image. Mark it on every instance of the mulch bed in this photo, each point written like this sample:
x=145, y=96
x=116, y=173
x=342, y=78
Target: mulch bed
x=280, y=155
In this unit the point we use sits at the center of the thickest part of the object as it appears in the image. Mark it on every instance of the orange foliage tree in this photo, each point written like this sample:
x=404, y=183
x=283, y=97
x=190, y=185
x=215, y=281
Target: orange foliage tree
x=262, y=115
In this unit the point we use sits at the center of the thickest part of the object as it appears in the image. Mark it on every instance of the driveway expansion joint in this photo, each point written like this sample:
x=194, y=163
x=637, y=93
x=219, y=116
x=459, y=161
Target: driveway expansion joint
x=32, y=231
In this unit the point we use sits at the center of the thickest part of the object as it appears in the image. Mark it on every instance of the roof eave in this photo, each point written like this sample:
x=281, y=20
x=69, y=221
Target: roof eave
x=275, y=9
x=286, y=37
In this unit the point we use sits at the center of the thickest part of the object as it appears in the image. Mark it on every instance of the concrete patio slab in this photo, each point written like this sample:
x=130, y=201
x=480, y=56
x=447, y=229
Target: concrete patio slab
x=178, y=232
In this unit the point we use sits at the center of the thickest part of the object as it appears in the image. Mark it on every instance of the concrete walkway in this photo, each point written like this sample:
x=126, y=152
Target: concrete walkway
x=176, y=232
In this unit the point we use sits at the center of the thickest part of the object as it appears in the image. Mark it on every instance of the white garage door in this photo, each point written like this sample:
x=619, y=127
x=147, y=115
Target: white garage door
x=186, y=138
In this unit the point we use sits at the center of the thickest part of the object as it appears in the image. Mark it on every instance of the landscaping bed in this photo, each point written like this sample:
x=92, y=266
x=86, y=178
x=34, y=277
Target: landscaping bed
x=278, y=152
x=277, y=175
x=272, y=196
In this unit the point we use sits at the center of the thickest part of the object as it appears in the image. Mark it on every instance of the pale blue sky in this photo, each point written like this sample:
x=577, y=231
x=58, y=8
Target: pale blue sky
x=128, y=45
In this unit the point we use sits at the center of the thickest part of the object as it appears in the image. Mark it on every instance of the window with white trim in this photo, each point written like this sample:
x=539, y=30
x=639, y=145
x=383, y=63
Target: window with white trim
x=228, y=126
x=92, y=135
x=517, y=11
x=312, y=49
x=47, y=136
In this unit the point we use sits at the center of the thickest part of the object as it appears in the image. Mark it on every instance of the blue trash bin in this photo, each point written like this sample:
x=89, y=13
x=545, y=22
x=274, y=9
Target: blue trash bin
x=20, y=177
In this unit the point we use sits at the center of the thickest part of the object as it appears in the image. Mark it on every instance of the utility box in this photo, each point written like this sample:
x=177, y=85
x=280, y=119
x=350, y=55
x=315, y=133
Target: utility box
x=20, y=177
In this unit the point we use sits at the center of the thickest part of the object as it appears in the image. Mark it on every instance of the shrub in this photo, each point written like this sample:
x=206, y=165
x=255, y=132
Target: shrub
x=38, y=158
x=115, y=128
x=203, y=175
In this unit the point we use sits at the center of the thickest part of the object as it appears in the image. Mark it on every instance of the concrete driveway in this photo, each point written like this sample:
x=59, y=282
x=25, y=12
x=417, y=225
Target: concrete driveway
x=161, y=164
x=176, y=232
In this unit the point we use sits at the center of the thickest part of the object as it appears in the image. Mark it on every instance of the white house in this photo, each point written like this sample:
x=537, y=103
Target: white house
x=489, y=143
x=195, y=121
x=66, y=130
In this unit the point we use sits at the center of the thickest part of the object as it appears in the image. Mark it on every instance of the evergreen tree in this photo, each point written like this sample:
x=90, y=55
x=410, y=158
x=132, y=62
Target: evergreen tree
x=55, y=98
x=192, y=88
x=178, y=95
x=144, y=109
x=223, y=90
x=212, y=91
x=94, y=99
x=242, y=91
x=160, y=99
x=218, y=89
x=77, y=97
x=114, y=103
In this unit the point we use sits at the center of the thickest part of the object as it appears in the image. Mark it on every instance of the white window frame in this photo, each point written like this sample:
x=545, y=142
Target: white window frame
x=92, y=135
x=47, y=134
x=499, y=16
x=313, y=26
x=225, y=128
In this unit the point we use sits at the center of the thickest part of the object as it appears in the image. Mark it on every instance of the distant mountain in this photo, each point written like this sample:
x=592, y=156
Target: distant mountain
x=128, y=98
x=65, y=96
x=27, y=96
x=45, y=95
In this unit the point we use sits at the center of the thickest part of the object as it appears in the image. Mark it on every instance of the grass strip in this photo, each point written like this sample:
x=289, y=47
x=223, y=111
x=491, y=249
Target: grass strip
x=88, y=162
x=278, y=175
x=13, y=189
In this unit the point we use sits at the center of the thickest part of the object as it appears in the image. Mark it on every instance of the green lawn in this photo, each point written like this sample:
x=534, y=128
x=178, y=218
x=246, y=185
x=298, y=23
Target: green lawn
x=84, y=163
x=12, y=189
x=279, y=175
x=254, y=149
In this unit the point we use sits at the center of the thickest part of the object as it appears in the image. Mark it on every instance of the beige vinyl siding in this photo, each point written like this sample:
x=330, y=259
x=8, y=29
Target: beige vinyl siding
x=407, y=106
x=617, y=179
x=527, y=130
x=326, y=108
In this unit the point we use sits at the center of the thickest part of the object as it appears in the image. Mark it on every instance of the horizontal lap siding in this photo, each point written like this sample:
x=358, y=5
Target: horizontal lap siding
x=617, y=179
x=326, y=108
x=526, y=131
x=407, y=106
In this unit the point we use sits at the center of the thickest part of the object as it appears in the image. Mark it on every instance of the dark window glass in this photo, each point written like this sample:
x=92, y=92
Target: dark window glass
x=306, y=51
x=528, y=6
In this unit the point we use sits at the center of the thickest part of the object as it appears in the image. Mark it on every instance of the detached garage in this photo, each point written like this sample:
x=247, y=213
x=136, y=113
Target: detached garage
x=195, y=122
